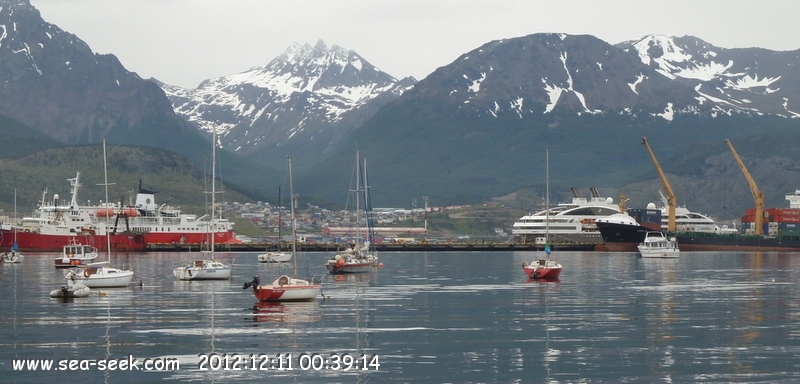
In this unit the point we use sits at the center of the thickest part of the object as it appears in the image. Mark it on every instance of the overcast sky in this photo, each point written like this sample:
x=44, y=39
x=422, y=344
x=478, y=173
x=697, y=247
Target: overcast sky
x=183, y=42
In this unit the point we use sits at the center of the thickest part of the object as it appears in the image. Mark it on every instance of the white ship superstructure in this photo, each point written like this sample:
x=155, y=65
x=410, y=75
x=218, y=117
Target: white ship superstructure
x=567, y=223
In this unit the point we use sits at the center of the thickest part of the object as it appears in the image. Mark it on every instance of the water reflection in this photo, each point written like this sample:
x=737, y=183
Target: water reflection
x=300, y=312
x=435, y=317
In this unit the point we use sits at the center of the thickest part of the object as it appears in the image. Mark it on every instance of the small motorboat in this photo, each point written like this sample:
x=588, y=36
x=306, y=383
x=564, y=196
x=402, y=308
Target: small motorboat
x=657, y=245
x=75, y=254
x=284, y=288
x=71, y=290
x=203, y=270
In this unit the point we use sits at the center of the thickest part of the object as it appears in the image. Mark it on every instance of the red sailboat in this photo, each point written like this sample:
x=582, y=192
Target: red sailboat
x=286, y=288
x=544, y=268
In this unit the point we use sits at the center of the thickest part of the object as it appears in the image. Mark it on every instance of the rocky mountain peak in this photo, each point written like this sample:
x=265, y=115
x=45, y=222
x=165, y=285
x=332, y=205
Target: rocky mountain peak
x=315, y=94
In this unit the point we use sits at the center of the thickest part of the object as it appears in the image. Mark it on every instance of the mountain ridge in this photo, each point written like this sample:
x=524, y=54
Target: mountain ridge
x=305, y=101
x=472, y=130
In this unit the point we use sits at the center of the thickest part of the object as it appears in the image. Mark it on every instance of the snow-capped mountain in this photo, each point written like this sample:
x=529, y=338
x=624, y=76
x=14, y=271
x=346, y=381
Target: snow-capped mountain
x=732, y=80
x=662, y=76
x=310, y=97
x=482, y=122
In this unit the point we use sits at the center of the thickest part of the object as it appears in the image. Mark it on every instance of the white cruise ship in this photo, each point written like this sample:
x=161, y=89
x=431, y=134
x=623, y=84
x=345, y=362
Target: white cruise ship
x=569, y=223
x=687, y=221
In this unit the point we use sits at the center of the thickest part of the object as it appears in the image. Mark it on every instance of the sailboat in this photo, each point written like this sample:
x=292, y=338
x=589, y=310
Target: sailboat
x=207, y=269
x=277, y=255
x=362, y=257
x=544, y=268
x=13, y=255
x=286, y=288
x=100, y=274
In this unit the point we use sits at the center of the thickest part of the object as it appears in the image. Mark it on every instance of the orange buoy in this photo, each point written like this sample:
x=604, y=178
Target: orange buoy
x=380, y=265
x=339, y=262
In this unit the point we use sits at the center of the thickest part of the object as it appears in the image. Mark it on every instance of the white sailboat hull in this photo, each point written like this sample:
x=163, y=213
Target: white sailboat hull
x=275, y=257
x=203, y=272
x=102, y=278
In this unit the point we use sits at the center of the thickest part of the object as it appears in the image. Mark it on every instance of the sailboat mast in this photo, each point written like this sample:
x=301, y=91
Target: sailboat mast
x=547, y=202
x=368, y=210
x=280, y=214
x=294, y=227
x=547, y=190
x=105, y=184
x=358, y=201
x=213, y=186
x=16, y=224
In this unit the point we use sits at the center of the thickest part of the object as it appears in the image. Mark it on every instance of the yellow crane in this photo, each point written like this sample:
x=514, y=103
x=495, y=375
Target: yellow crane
x=758, y=197
x=671, y=201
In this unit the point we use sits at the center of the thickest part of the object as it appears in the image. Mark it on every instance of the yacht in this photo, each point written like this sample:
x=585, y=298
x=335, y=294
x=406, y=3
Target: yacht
x=685, y=220
x=569, y=223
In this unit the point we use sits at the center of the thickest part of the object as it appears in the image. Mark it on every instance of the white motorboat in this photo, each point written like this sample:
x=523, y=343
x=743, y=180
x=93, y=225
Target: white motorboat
x=657, y=245
x=75, y=254
x=567, y=223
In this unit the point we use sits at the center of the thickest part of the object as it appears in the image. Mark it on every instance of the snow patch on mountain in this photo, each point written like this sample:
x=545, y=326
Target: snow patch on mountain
x=475, y=85
x=748, y=82
x=672, y=61
x=668, y=113
x=669, y=52
x=639, y=78
x=553, y=93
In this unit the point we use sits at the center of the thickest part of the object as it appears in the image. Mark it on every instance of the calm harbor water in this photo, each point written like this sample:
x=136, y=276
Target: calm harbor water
x=428, y=317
